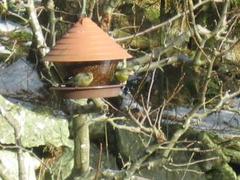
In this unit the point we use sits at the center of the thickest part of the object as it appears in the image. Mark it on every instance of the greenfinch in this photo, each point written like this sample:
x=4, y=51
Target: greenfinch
x=81, y=80
x=3, y=7
x=123, y=74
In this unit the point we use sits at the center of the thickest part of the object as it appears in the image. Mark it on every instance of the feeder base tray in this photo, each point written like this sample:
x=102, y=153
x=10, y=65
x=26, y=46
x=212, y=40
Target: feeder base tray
x=88, y=92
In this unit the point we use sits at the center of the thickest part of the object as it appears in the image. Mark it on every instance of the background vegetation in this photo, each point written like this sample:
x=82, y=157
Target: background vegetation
x=178, y=116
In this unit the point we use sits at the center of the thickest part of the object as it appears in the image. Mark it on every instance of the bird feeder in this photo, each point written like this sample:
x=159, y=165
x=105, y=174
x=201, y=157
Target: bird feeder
x=86, y=48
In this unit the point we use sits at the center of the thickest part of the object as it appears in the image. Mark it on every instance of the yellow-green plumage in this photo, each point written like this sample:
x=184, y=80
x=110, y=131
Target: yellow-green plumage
x=81, y=80
x=3, y=7
x=122, y=75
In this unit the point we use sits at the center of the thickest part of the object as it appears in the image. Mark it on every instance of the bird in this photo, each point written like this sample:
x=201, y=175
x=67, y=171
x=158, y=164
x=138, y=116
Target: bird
x=3, y=8
x=123, y=74
x=81, y=80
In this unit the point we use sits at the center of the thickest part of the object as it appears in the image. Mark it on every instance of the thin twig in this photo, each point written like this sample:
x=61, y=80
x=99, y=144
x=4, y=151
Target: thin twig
x=165, y=23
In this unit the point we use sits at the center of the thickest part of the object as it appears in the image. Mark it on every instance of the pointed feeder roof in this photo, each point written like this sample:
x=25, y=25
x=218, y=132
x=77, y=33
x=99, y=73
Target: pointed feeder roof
x=85, y=41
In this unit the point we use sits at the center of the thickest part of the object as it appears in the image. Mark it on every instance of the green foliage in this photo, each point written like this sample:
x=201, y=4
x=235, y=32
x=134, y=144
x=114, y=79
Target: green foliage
x=236, y=2
x=21, y=36
x=141, y=42
x=223, y=172
x=213, y=87
x=14, y=41
x=152, y=14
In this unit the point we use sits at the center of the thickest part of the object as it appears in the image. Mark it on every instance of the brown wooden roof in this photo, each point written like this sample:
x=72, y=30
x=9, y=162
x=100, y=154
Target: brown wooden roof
x=85, y=41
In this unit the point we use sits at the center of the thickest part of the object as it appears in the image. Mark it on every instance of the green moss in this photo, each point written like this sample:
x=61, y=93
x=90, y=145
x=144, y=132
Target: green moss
x=152, y=14
x=223, y=172
x=21, y=36
x=42, y=110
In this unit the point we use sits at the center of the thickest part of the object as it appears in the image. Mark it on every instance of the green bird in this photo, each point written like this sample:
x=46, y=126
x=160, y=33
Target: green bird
x=123, y=74
x=3, y=7
x=81, y=80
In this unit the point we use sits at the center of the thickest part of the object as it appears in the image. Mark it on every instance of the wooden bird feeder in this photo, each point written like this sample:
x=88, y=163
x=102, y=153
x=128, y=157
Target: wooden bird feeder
x=87, y=48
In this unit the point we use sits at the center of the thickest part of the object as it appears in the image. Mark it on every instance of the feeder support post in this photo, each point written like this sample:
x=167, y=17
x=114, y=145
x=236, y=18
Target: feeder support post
x=81, y=144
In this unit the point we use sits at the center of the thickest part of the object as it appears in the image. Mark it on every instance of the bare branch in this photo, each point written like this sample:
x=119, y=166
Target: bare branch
x=165, y=23
x=41, y=44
